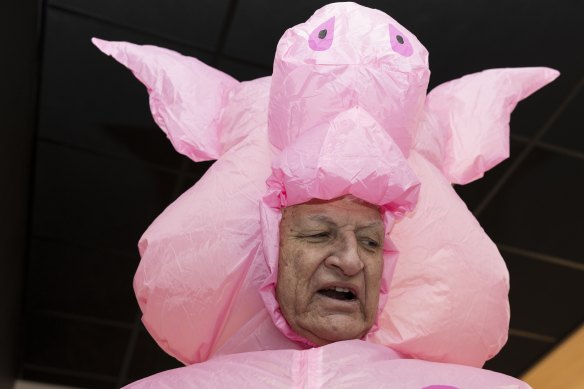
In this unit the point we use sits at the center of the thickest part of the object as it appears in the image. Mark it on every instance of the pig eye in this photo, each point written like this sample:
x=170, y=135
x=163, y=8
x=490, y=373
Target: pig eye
x=399, y=42
x=322, y=37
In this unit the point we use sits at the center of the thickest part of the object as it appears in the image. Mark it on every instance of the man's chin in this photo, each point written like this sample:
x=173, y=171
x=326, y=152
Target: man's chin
x=335, y=328
x=331, y=306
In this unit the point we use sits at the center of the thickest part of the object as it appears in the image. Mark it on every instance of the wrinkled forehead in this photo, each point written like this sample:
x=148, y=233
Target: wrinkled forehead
x=347, y=33
x=345, y=211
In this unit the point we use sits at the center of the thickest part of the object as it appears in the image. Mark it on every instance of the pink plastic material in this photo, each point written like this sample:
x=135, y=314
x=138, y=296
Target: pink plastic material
x=322, y=37
x=186, y=96
x=360, y=69
x=353, y=118
x=399, y=42
x=472, y=114
x=348, y=364
x=351, y=154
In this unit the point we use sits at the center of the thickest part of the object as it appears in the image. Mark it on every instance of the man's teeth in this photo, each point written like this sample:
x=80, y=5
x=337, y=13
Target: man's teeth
x=338, y=293
x=344, y=290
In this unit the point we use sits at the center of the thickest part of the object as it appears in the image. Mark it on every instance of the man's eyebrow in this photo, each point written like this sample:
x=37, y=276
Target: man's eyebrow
x=328, y=220
x=377, y=223
x=322, y=219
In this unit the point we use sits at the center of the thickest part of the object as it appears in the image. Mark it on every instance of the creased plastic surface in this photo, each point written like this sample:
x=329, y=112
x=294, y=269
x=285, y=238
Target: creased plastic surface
x=361, y=68
x=204, y=259
x=348, y=364
x=472, y=115
x=449, y=290
x=350, y=154
x=186, y=96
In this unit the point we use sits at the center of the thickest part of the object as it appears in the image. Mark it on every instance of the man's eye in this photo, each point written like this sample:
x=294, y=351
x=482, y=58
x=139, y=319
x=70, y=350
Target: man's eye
x=370, y=243
x=318, y=237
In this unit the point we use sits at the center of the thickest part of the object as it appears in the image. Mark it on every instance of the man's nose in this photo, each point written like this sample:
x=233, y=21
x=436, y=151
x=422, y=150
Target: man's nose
x=345, y=256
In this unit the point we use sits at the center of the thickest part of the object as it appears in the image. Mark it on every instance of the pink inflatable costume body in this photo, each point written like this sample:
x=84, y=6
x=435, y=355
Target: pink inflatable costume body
x=345, y=112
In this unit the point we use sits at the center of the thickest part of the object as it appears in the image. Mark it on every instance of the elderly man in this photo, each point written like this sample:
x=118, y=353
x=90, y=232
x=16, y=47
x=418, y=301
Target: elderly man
x=316, y=166
x=330, y=266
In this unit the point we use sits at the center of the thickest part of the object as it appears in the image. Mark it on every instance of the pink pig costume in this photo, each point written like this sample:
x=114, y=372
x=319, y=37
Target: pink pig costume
x=345, y=112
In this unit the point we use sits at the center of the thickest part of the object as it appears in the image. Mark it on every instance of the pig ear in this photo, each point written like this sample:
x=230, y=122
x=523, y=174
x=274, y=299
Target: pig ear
x=186, y=96
x=465, y=127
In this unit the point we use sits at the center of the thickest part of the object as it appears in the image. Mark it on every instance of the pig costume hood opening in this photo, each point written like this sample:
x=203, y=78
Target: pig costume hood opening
x=349, y=155
x=345, y=112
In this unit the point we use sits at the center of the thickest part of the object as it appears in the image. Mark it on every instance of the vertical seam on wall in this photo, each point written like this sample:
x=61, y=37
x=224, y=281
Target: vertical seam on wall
x=40, y=44
x=129, y=354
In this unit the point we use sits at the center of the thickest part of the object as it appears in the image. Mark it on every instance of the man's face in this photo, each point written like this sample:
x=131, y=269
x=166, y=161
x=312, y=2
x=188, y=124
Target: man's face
x=330, y=265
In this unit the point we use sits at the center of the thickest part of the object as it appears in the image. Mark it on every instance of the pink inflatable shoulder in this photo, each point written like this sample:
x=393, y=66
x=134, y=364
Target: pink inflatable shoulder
x=331, y=366
x=346, y=111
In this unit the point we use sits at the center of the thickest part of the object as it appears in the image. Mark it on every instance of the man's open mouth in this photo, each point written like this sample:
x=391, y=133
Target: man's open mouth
x=343, y=294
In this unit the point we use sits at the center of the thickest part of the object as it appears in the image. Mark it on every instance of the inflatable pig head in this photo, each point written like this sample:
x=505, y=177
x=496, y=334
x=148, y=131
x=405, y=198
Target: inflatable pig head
x=348, y=56
x=345, y=112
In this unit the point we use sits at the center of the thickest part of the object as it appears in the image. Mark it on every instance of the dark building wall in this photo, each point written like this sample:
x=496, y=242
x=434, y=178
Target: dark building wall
x=18, y=69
